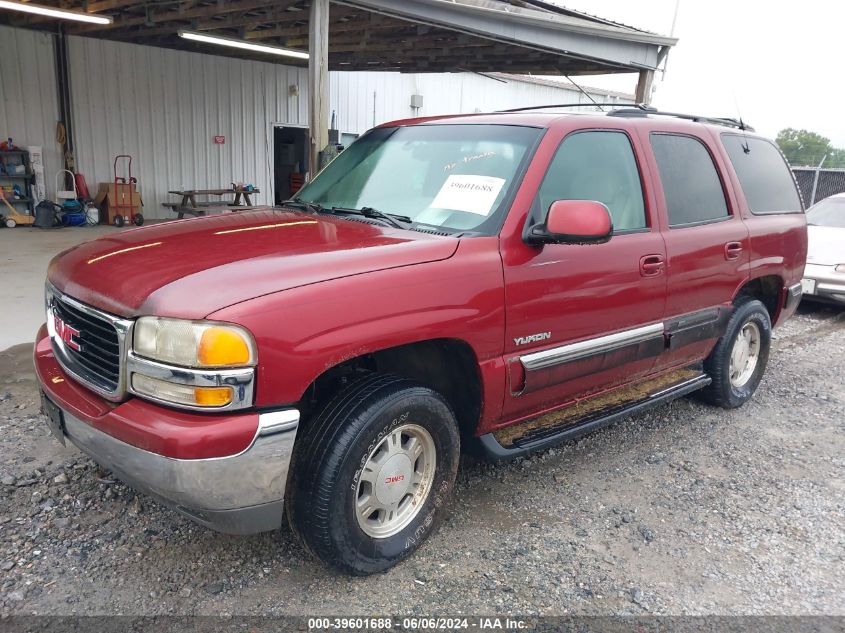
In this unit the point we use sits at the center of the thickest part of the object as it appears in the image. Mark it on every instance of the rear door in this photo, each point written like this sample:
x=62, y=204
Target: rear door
x=772, y=209
x=707, y=243
x=584, y=318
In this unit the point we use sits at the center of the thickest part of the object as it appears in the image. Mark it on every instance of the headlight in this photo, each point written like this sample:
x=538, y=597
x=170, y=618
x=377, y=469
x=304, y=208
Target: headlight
x=840, y=268
x=199, y=365
x=193, y=343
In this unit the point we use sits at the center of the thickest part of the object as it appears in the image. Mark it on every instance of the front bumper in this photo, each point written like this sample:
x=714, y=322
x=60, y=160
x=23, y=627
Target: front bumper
x=237, y=493
x=823, y=282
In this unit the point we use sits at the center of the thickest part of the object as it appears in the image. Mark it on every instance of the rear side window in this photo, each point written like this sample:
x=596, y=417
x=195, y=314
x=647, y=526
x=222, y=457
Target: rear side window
x=691, y=185
x=763, y=175
x=600, y=166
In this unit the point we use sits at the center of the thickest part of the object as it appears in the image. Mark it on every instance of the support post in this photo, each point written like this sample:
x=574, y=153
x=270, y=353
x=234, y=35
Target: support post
x=318, y=82
x=816, y=181
x=65, y=111
x=815, y=187
x=646, y=79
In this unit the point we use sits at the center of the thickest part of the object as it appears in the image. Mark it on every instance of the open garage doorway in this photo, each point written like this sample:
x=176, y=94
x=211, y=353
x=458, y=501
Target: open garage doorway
x=290, y=160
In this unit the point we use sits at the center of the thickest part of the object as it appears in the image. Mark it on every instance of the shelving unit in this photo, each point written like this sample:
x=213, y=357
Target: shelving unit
x=9, y=161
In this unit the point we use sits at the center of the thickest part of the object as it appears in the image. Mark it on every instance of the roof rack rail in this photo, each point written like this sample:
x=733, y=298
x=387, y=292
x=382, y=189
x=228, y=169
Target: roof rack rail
x=569, y=105
x=641, y=109
x=644, y=110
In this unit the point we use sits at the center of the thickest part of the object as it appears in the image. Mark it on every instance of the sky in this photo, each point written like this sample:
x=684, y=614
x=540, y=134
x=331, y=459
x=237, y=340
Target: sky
x=776, y=64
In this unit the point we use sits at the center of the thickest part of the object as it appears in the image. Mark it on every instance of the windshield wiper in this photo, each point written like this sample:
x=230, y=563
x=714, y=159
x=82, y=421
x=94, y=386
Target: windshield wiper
x=394, y=220
x=311, y=207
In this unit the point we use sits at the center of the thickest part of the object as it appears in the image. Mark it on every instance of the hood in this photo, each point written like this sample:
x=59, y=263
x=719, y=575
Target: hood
x=825, y=245
x=191, y=268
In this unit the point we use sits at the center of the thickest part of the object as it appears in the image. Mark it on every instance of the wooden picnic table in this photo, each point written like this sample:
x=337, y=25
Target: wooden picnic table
x=190, y=205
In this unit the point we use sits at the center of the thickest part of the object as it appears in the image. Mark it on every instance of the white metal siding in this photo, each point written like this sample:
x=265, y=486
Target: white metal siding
x=354, y=95
x=28, y=100
x=163, y=107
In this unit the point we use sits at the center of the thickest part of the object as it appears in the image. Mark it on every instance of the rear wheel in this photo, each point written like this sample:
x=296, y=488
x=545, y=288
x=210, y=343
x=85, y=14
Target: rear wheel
x=10, y=223
x=372, y=473
x=138, y=219
x=119, y=220
x=738, y=361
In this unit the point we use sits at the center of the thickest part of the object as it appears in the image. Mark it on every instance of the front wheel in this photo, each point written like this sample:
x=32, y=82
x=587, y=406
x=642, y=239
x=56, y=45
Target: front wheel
x=738, y=361
x=372, y=473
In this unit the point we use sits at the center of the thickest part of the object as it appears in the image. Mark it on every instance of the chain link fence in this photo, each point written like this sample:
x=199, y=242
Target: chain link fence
x=817, y=184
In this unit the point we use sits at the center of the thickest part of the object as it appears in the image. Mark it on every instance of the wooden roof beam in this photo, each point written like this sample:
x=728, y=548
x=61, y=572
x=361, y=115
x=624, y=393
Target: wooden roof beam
x=209, y=24
x=98, y=6
x=302, y=31
x=233, y=6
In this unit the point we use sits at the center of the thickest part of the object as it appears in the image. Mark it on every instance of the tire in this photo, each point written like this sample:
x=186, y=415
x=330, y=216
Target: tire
x=10, y=223
x=731, y=390
x=330, y=489
x=119, y=220
x=138, y=219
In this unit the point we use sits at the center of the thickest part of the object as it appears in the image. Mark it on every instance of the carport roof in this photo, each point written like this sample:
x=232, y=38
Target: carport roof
x=514, y=36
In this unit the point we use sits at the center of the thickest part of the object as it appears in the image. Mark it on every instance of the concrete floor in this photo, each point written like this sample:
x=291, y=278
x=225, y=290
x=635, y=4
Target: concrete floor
x=25, y=253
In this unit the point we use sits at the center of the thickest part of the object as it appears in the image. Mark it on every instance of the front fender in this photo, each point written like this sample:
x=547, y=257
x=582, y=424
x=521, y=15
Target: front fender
x=302, y=332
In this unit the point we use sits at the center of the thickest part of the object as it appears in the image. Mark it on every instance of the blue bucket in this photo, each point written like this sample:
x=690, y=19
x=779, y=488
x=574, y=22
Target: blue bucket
x=74, y=219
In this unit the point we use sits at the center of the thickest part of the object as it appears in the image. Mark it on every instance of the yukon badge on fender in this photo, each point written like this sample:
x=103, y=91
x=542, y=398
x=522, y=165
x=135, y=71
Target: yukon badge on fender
x=532, y=338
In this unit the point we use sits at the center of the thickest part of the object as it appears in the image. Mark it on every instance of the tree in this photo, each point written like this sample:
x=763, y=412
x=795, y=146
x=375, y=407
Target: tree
x=835, y=159
x=803, y=148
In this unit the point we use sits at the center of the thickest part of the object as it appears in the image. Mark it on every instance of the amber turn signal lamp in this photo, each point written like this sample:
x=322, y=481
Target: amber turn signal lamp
x=222, y=347
x=212, y=396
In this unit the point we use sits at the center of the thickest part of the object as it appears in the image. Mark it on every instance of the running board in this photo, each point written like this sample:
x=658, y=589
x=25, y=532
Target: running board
x=590, y=415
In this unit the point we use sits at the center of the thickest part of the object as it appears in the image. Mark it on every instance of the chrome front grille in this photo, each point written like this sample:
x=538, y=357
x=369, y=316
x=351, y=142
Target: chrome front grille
x=99, y=347
x=88, y=343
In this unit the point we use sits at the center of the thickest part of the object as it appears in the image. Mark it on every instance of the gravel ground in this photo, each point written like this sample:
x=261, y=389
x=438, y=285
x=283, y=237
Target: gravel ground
x=682, y=510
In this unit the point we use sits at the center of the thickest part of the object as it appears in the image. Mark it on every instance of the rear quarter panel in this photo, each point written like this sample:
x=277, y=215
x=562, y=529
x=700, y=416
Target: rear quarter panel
x=778, y=247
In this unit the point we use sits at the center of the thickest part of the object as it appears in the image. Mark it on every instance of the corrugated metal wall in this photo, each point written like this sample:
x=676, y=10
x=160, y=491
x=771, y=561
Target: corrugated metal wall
x=28, y=100
x=362, y=98
x=164, y=107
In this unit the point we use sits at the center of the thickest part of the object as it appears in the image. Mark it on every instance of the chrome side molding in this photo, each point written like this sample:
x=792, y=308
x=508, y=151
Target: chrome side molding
x=583, y=349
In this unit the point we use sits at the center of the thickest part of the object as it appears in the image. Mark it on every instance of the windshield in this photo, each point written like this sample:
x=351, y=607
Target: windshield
x=828, y=212
x=453, y=177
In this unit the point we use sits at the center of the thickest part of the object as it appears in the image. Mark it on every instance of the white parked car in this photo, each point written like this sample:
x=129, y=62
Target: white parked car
x=824, y=276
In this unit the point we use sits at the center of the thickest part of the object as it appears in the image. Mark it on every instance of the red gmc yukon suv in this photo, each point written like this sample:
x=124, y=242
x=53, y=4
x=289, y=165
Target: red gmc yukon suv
x=495, y=282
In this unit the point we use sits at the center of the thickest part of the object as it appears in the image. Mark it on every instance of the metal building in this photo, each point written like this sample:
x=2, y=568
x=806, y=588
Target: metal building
x=134, y=86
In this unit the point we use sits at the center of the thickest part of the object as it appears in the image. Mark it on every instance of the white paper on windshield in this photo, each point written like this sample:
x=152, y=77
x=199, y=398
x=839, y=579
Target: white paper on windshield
x=473, y=194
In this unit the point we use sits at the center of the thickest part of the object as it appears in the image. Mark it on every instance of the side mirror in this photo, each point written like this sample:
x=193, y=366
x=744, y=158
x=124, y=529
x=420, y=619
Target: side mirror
x=574, y=222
